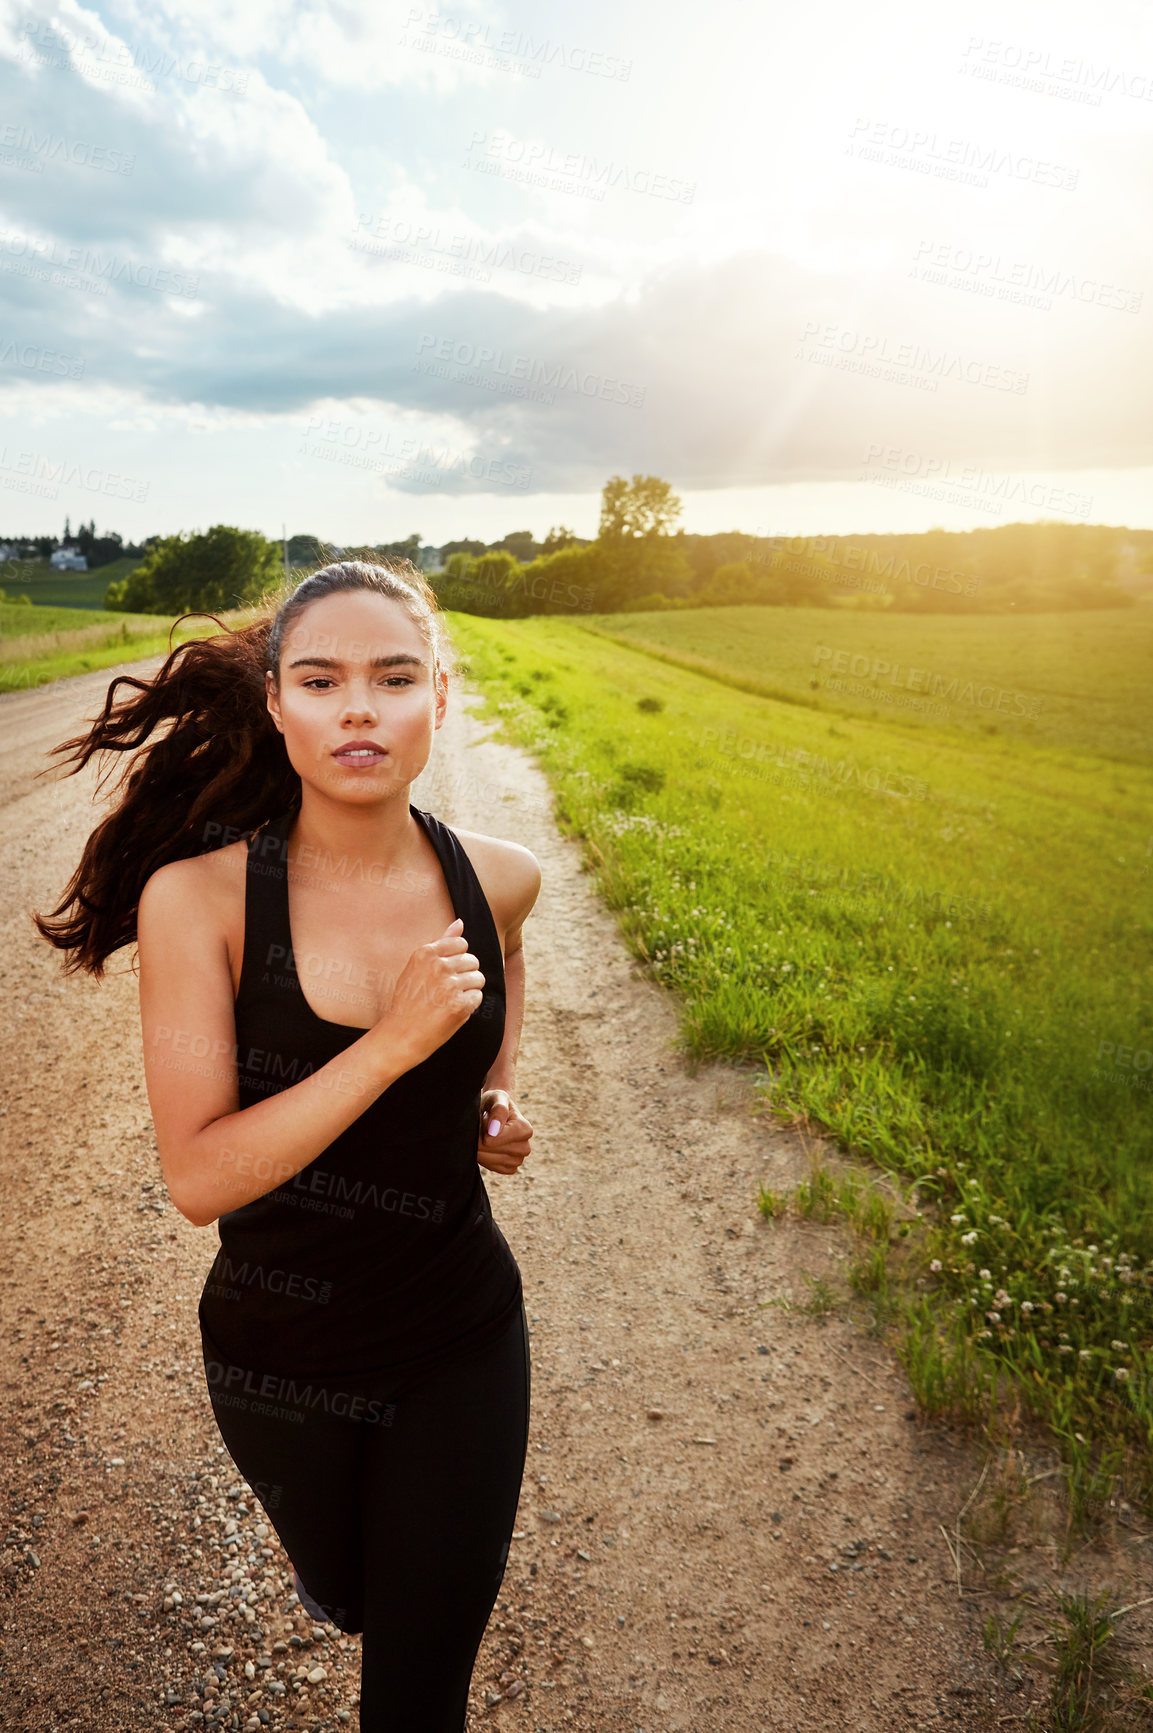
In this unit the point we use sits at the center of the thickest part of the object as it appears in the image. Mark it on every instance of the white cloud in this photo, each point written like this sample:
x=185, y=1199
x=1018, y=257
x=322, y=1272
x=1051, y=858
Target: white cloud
x=296, y=225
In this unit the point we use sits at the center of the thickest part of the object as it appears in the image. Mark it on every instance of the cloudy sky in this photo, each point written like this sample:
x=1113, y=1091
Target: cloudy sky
x=366, y=269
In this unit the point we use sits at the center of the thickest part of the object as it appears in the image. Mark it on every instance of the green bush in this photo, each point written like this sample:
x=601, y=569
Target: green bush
x=222, y=568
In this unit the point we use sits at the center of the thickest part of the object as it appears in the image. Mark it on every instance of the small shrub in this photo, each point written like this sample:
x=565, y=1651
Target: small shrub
x=772, y=1203
x=633, y=781
x=816, y=1198
x=822, y=1297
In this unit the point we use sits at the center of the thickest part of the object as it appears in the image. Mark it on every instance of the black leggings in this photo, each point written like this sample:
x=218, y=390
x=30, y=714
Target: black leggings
x=396, y=1506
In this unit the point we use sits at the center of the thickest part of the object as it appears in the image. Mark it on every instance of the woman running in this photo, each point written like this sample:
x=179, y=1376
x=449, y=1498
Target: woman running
x=331, y=993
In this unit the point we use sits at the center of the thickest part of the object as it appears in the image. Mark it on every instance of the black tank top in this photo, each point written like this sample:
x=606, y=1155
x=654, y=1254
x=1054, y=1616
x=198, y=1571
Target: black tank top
x=381, y=1255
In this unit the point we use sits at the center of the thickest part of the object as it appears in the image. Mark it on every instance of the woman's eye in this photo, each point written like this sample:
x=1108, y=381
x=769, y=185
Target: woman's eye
x=321, y=682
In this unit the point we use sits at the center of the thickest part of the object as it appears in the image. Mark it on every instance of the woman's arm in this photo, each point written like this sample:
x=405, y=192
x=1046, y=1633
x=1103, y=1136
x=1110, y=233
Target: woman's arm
x=502, y=1072
x=214, y=1155
x=505, y=1148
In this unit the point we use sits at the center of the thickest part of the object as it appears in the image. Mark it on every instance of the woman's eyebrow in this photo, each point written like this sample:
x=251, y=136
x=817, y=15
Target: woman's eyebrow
x=400, y=658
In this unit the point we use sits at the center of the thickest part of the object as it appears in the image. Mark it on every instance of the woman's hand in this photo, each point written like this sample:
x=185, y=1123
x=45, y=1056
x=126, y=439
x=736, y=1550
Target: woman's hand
x=504, y=1148
x=436, y=993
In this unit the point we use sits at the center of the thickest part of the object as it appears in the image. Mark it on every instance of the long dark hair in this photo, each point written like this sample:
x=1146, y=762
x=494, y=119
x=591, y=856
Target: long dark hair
x=221, y=768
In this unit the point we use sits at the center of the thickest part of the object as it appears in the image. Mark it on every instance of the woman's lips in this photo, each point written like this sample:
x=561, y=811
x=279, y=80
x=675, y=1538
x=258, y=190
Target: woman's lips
x=360, y=757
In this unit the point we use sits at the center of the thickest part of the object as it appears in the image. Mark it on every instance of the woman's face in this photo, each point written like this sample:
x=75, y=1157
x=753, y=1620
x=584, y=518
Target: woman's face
x=356, y=673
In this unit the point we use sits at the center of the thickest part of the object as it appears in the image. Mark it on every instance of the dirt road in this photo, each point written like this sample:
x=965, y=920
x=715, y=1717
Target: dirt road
x=729, y=1519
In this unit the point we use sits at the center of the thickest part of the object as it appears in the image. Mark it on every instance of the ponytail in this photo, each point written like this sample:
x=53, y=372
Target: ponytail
x=218, y=771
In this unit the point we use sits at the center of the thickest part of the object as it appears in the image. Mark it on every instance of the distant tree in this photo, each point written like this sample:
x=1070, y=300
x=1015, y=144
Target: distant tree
x=521, y=543
x=733, y=585
x=631, y=569
x=222, y=568
x=456, y=567
x=463, y=547
x=558, y=538
x=476, y=583
x=408, y=549
x=566, y=581
x=99, y=550
x=638, y=556
x=642, y=507
x=306, y=550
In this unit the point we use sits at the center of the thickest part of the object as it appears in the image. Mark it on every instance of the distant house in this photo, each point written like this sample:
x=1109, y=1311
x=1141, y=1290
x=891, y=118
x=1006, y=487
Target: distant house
x=68, y=560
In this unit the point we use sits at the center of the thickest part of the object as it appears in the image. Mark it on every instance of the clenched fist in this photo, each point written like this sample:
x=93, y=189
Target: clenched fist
x=505, y=1133
x=437, y=991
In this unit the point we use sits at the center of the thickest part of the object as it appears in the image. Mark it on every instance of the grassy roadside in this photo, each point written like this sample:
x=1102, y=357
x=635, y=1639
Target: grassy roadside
x=46, y=587
x=1054, y=679
x=38, y=645
x=937, y=944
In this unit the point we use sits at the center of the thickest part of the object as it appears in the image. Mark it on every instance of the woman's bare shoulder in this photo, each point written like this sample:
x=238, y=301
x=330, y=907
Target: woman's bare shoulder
x=200, y=887
x=509, y=873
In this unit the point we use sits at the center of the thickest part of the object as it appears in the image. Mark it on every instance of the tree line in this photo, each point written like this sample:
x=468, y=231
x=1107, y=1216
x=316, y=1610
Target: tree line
x=641, y=560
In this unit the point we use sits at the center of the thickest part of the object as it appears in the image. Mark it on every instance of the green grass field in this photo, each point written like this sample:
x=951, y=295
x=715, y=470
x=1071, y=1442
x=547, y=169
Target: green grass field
x=935, y=940
x=1062, y=679
x=39, y=644
x=47, y=588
